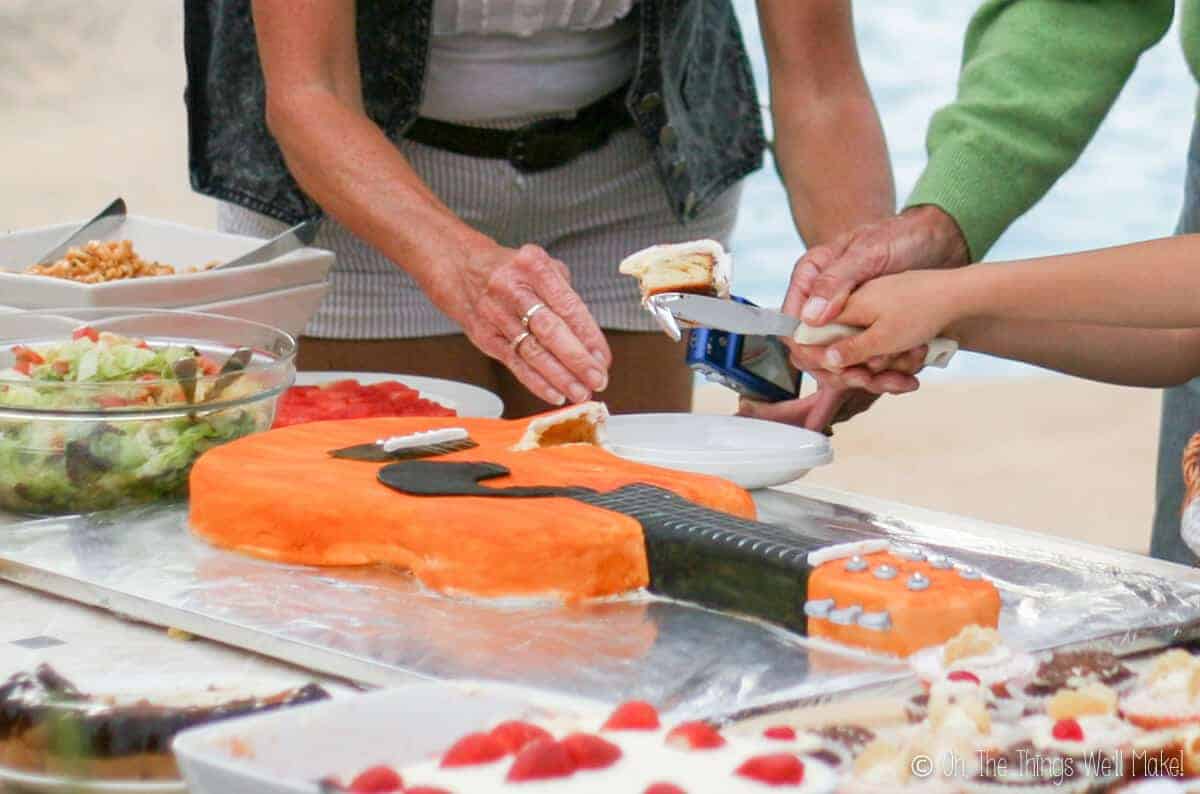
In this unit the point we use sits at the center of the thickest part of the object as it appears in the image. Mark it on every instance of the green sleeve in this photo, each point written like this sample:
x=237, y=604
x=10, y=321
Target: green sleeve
x=1038, y=77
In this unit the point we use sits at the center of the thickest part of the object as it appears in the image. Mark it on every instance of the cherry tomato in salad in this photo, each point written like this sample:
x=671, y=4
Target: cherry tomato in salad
x=86, y=332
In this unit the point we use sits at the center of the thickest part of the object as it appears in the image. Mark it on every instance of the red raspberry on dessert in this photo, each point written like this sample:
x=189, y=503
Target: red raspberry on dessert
x=377, y=780
x=474, y=749
x=591, y=752
x=1068, y=730
x=695, y=736
x=780, y=733
x=515, y=734
x=963, y=675
x=540, y=760
x=780, y=769
x=636, y=715
x=664, y=788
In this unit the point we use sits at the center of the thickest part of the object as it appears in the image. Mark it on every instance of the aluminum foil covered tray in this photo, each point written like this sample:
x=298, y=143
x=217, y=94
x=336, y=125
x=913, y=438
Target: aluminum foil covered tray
x=381, y=627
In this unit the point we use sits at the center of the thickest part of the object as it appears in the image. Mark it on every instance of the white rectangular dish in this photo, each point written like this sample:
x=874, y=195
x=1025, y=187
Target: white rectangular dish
x=286, y=309
x=173, y=244
x=287, y=752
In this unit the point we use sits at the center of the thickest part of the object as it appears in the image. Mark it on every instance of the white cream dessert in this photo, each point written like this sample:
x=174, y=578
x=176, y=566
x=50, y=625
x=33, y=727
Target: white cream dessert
x=1166, y=695
x=623, y=756
x=699, y=266
x=976, y=654
x=1081, y=722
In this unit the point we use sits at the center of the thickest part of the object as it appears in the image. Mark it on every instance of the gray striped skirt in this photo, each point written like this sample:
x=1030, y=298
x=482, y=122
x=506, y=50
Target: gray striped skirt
x=589, y=213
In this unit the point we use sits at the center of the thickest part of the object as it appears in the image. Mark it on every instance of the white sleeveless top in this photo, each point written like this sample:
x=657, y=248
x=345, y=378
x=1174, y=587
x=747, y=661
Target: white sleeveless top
x=500, y=60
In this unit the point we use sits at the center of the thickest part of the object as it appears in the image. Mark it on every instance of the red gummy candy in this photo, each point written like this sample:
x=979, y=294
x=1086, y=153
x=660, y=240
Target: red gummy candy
x=782, y=769
x=591, y=752
x=516, y=734
x=472, y=750
x=636, y=715
x=963, y=675
x=1067, y=731
x=695, y=736
x=377, y=780
x=783, y=733
x=664, y=788
x=540, y=760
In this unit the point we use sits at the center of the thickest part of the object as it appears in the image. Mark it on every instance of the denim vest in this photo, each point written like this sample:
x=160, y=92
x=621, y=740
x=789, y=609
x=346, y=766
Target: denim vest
x=692, y=98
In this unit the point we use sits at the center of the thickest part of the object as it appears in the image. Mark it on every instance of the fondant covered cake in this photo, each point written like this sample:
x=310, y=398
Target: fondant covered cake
x=540, y=508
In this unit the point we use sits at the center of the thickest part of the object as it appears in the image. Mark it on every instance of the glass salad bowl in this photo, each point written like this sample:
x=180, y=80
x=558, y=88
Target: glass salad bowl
x=106, y=408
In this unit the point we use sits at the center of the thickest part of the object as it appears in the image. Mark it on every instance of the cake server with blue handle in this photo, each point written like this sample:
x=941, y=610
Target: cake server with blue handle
x=673, y=308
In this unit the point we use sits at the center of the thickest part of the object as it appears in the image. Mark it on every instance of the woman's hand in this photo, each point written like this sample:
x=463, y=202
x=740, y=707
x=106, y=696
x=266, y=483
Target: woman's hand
x=564, y=354
x=900, y=313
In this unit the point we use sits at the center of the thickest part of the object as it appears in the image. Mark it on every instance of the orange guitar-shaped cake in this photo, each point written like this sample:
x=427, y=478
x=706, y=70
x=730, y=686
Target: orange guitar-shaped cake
x=540, y=508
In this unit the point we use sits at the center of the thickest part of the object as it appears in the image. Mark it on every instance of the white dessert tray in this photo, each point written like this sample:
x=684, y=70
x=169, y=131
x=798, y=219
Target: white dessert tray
x=287, y=752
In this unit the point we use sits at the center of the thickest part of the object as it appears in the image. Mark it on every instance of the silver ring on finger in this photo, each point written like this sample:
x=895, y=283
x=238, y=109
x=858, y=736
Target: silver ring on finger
x=519, y=339
x=527, y=317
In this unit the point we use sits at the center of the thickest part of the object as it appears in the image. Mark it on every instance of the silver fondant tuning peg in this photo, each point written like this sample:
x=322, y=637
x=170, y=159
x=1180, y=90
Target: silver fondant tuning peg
x=918, y=581
x=969, y=573
x=845, y=616
x=941, y=563
x=876, y=621
x=856, y=564
x=884, y=572
x=910, y=553
x=819, y=608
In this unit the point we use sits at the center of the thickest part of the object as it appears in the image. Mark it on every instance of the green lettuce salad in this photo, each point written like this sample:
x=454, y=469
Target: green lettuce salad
x=75, y=435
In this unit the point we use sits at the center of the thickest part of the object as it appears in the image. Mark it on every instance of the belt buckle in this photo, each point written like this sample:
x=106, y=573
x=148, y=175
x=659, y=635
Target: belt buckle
x=543, y=145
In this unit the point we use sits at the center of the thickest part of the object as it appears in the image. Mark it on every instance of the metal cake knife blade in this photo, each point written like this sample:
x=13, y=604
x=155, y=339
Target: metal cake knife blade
x=97, y=228
x=298, y=236
x=739, y=318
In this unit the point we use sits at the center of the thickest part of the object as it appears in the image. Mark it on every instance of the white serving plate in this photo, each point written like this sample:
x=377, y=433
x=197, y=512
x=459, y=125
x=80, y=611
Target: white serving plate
x=751, y=452
x=286, y=309
x=466, y=399
x=156, y=240
x=287, y=752
x=193, y=688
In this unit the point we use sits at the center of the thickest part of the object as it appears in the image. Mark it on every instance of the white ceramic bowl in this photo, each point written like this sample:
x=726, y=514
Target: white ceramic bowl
x=161, y=241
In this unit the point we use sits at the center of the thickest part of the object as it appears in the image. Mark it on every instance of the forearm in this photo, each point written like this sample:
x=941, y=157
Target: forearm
x=1154, y=357
x=349, y=167
x=1038, y=77
x=833, y=160
x=1153, y=284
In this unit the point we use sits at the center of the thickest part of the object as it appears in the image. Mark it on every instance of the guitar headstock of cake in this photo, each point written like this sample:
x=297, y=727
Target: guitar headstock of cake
x=894, y=600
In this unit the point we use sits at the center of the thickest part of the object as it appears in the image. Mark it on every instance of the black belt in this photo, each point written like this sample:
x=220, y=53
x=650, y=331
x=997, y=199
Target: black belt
x=535, y=147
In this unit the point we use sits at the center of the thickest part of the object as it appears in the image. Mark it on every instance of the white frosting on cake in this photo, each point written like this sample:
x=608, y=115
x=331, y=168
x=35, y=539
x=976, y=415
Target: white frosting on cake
x=646, y=759
x=999, y=665
x=644, y=262
x=1100, y=733
x=859, y=548
x=1167, y=697
x=591, y=415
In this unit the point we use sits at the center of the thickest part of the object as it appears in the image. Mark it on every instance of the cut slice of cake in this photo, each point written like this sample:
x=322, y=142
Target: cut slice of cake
x=699, y=266
x=579, y=424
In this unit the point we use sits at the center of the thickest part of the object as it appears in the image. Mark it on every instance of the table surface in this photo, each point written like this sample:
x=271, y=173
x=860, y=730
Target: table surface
x=90, y=644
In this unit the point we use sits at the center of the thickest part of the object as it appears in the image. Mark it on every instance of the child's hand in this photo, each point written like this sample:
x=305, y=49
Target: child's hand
x=899, y=312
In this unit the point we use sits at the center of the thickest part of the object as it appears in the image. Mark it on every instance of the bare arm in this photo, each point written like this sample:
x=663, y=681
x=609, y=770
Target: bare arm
x=829, y=144
x=346, y=163
x=1158, y=357
x=1129, y=314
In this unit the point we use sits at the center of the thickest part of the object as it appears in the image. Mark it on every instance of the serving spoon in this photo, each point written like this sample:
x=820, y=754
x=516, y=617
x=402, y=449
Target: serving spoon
x=109, y=219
